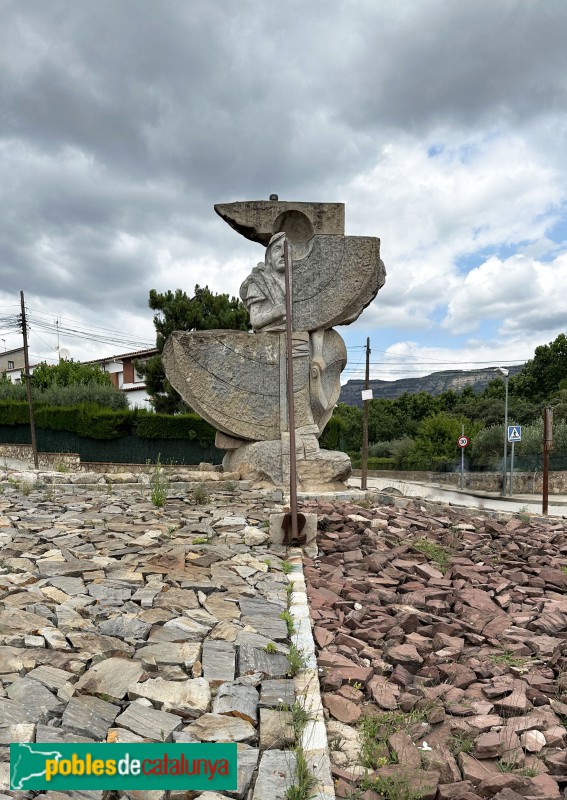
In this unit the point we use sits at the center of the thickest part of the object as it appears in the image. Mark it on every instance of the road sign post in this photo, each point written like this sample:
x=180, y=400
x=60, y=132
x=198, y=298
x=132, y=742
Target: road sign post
x=512, y=470
x=514, y=435
x=462, y=441
x=547, y=446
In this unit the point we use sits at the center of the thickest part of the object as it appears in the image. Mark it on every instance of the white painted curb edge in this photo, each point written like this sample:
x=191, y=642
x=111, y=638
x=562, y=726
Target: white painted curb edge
x=314, y=737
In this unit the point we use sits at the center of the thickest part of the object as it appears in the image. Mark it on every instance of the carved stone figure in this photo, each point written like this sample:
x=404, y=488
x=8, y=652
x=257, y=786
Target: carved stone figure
x=237, y=381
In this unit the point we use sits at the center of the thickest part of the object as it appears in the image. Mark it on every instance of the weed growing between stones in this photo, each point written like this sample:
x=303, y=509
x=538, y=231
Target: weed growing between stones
x=286, y=567
x=435, y=552
x=288, y=619
x=201, y=495
x=200, y=540
x=376, y=729
x=302, y=788
x=296, y=661
x=508, y=659
x=270, y=648
x=304, y=780
x=393, y=788
x=288, y=594
x=506, y=766
x=461, y=742
x=159, y=485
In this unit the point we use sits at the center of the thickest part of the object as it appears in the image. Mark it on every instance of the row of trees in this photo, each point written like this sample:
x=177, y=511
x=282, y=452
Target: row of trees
x=420, y=431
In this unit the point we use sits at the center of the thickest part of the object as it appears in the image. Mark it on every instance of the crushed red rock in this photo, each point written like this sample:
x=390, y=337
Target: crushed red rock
x=450, y=626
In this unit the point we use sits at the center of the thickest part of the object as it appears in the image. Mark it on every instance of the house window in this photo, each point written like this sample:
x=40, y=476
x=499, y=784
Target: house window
x=10, y=365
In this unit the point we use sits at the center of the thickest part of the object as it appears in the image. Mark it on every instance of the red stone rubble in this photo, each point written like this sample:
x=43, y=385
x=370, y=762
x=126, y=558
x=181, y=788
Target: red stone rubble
x=441, y=638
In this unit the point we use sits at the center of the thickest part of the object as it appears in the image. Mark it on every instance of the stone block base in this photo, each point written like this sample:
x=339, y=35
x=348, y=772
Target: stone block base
x=268, y=463
x=310, y=531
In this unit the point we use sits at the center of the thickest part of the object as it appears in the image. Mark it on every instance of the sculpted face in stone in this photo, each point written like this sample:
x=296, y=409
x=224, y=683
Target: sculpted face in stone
x=263, y=291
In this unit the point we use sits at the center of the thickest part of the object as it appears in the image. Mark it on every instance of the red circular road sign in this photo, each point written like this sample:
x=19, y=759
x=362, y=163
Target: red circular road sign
x=462, y=441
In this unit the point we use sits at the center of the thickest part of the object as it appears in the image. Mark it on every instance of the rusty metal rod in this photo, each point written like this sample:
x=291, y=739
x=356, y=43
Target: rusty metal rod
x=290, y=397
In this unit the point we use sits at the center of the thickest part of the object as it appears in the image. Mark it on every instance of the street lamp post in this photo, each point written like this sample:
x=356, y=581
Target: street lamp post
x=505, y=372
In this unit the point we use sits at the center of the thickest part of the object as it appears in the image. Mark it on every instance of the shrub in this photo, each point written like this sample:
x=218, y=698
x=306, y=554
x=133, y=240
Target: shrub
x=169, y=426
x=381, y=463
x=103, y=422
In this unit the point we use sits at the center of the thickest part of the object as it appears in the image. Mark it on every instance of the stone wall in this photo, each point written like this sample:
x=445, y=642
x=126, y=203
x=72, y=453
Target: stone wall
x=72, y=461
x=524, y=482
x=23, y=452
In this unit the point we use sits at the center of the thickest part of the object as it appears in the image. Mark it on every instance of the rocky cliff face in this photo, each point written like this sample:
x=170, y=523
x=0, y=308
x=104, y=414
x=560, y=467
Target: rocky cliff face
x=434, y=384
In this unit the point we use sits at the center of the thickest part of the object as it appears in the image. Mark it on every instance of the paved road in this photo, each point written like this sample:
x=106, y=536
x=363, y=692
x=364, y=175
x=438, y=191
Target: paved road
x=530, y=503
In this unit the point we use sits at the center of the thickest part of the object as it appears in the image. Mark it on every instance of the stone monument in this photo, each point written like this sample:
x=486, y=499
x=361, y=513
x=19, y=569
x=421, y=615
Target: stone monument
x=237, y=381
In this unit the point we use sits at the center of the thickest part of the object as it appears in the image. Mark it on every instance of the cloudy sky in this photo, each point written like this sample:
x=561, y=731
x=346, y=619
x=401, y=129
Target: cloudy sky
x=441, y=125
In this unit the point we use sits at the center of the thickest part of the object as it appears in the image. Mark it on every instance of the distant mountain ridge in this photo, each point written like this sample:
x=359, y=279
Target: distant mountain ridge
x=434, y=384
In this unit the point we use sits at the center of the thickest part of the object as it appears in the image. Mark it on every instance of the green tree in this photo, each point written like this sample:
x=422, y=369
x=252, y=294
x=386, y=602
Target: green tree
x=541, y=376
x=68, y=373
x=345, y=433
x=436, y=440
x=178, y=312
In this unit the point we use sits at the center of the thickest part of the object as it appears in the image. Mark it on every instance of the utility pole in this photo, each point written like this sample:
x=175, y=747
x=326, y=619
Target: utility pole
x=27, y=377
x=547, y=446
x=505, y=372
x=364, y=459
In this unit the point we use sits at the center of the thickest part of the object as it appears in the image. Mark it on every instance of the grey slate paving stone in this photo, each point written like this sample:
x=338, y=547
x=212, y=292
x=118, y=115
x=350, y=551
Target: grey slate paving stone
x=46, y=734
x=275, y=775
x=89, y=716
x=237, y=700
x=125, y=627
x=253, y=659
x=219, y=661
x=219, y=728
x=101, y=591
x=23, y=732
x=170, y=653
x=276, y=693
x=247, y=762
x=12, y=713
x=39, y=702
x=188, y=698
x=273, y=627
x=149, y=723
x=257, y=606
x=49, y=569
x=112, y=678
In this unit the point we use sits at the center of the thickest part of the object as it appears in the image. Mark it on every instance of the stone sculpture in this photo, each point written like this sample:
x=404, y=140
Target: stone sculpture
x=237, y=381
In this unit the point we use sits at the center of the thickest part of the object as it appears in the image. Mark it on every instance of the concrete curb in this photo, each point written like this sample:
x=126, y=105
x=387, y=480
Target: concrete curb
x=314, y=738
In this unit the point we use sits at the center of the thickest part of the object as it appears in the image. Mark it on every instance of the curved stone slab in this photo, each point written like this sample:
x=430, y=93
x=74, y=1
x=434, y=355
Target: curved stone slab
x=231, y=379
x=335, y=281
x=236, y=381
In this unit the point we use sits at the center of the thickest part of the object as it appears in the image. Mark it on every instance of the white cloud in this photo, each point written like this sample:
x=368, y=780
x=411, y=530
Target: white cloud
x=431, y=212
x=523, y=294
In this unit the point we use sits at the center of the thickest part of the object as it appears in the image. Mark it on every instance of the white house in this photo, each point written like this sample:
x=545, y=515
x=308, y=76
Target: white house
x=124, y=376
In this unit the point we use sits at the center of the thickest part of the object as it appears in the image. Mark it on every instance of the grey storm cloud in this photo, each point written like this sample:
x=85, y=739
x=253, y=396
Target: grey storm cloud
x=134, y=116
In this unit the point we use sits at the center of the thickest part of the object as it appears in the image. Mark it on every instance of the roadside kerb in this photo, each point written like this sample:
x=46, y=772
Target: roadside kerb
x=314, y=737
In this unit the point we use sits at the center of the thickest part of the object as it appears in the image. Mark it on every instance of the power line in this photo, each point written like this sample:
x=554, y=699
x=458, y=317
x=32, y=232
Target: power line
x=79, y=322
